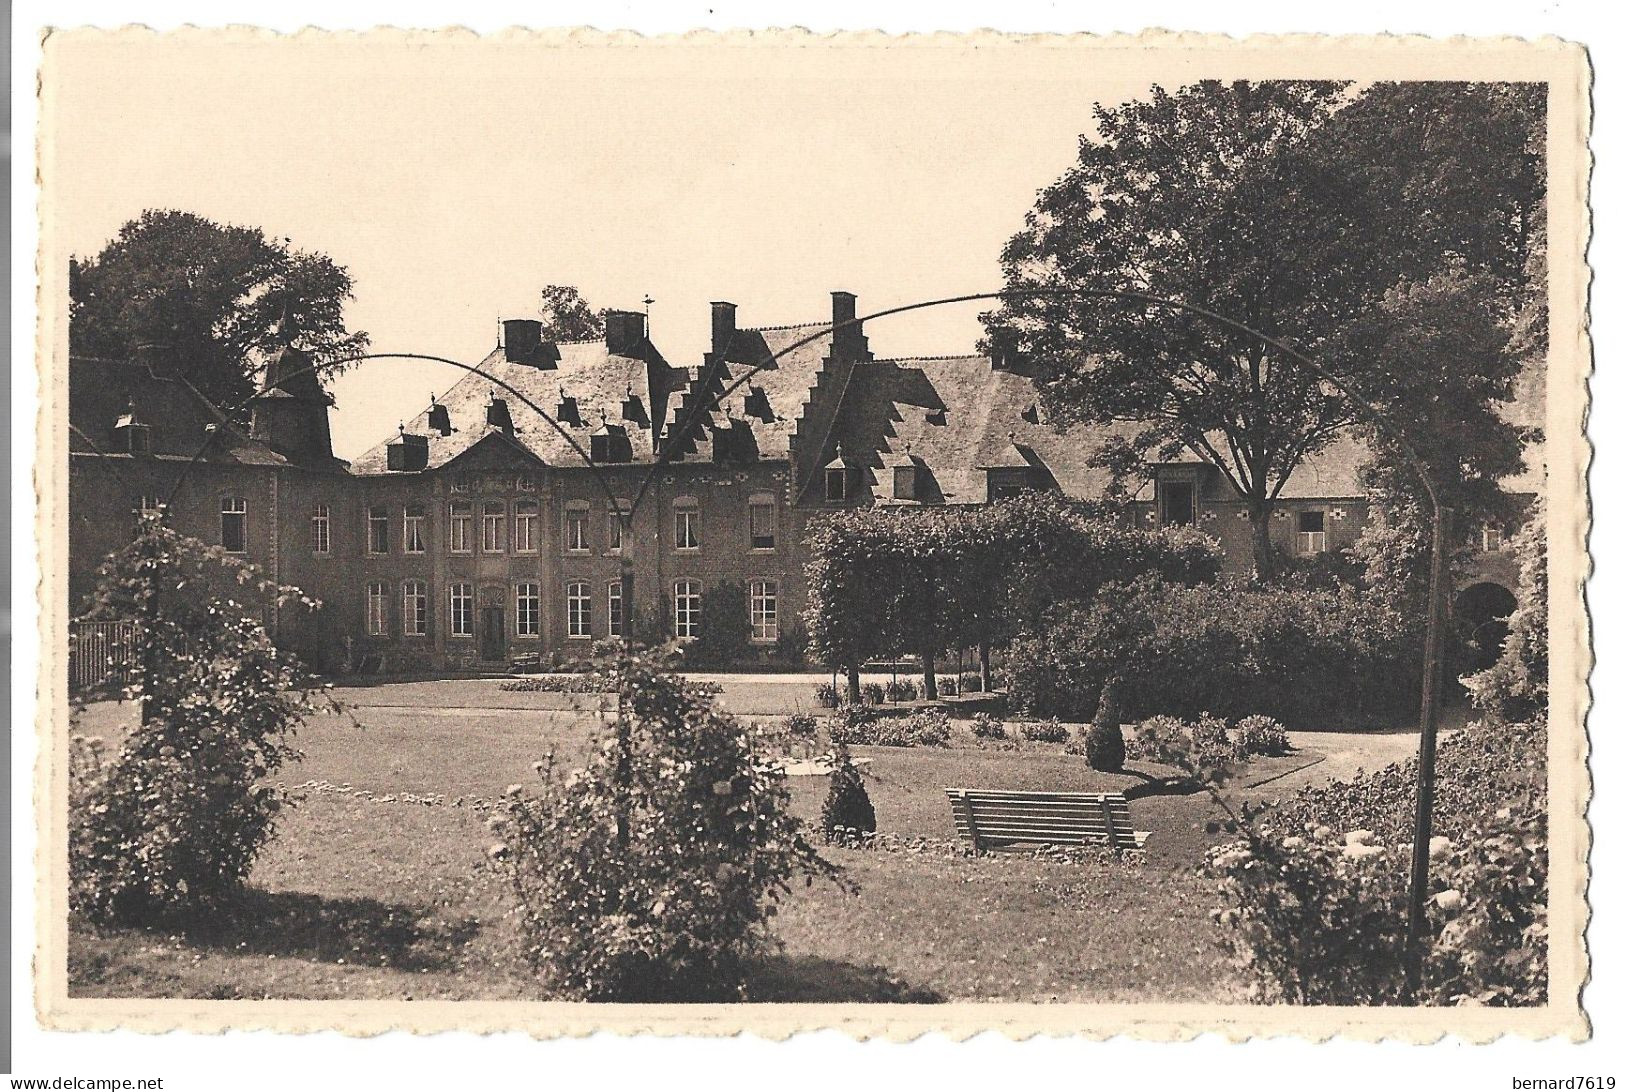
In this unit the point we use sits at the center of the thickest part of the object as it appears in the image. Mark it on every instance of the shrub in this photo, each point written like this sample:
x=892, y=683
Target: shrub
x=1314, y=900
x=827, y=695
x=863, y=726
x=1044, y=731
x=791, y=647
x=987, y=726
x=1258, y=735
x=724, y=636
x=847, y=809
x=1103, y=748
x=650, y=875
x=872, y=693
x=553, y=684
x=1515, y=686
x=1310, y=658
x=948, y=686
x=800, y=727
x=1162, y=740
x=900, y=690
x=175, y=819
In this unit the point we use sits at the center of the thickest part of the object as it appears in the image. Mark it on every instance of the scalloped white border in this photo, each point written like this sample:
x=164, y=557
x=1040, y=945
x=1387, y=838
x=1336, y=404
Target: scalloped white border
x=1562, y=64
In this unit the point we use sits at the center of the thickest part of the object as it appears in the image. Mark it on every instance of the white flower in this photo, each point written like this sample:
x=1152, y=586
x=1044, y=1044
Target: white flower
x=1358, y=837
x=1448, y=900
x=721, y=788
x=513, y=790
x=496, y=850
x=1439, y=847
x=1293, y=842
x=1359, y=851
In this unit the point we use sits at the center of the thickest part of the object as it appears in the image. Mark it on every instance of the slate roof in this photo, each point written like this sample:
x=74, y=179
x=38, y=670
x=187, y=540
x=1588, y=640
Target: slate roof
x=100, y=392
x=586, y=371
x=768, y=406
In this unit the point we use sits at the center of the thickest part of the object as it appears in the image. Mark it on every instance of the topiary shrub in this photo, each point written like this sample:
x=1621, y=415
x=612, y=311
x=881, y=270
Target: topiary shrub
x=1258, y=735
x=1103, y=748
x=1045, y=731
x=987, y=726
x=175, y=819
x=651, y=874
x=724, y=636
x=847, y=810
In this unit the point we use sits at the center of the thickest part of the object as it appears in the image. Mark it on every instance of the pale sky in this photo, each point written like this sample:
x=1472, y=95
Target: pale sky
x=455, y=180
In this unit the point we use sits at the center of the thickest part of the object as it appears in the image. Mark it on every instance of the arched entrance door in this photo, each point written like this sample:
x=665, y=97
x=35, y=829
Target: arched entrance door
x=1483, y=609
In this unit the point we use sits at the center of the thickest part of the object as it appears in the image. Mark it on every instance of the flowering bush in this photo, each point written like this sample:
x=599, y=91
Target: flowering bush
x=987, y=726
x=863, y=726
x=1159, y=739
x=1313, y=919
x=1259, y=735
x=1045, y=731
x=553, y=684
x=650, y=875
x=1313, y=915
x=827, y=695
x=175, y=819
x=847, y=812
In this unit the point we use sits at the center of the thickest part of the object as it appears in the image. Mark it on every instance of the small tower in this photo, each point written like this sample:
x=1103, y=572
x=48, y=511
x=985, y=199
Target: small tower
x=289, y=414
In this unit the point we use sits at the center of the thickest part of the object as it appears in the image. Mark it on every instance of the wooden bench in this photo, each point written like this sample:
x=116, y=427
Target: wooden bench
x=988, y=818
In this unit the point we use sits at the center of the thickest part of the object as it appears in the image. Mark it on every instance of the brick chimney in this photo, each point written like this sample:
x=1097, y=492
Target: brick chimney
x=848, y=341
x=522, y=342
x=722, y=325
x=624, y=332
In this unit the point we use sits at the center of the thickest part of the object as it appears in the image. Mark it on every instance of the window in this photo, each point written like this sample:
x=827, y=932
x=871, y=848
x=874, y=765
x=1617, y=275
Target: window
x=140, y=438
x=147, y=504
x=377, y=610
x=493, y=527
x=460, y=527
x=378, y=529
x=578, y=609
x=764, y=610
x=462, y=610
x=527, y=610
x=764, y=521
x=688, y=525
x=413, y=540
x=1491, y=538
x=524, y=527
x=835, y=483
x=321, y=529
x=525, y=483
x=685, y=603
x=1311, y=532
x=621, y=509
x=414, y=608
x=613, y=594
x=575, y=530
x=1178, y=503
x=234, y=525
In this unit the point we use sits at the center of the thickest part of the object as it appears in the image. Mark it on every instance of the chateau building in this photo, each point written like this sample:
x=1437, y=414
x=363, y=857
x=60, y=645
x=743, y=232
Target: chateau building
x=477, y=535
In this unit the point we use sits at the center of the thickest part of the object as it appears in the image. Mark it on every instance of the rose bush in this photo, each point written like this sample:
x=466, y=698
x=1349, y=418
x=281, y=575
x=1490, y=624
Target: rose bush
x=651, y=873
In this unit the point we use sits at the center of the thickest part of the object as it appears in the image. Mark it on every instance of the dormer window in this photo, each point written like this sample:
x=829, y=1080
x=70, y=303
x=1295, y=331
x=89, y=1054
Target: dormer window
x=568, y=411
x=132, y=433
x=1178, y=502
x=439, y=417
x=496, y=414
x=757, y=405
x=903, y=481
x=632, y=410
x=835, y=483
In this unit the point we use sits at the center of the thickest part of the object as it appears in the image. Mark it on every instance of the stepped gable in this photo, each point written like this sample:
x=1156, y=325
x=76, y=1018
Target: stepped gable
x=784, y=386
x=586, y=371
x=102, y=391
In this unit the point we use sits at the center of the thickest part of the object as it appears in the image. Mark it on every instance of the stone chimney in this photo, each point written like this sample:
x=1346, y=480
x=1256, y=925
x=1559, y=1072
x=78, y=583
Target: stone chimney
x=722, y=325
x=624, y=332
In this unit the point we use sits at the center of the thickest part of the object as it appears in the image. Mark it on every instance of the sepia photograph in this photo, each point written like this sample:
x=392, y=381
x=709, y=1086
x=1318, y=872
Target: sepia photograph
x=550, y=529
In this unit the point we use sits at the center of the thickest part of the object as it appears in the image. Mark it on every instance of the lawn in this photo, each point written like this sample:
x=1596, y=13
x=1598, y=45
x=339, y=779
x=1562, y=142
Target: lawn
x=368, y=891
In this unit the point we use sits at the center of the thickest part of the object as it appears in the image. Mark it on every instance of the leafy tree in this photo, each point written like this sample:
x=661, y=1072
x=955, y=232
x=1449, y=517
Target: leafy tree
x=724, y=636
x=176, y=818
x=1516, y=687
x=568, y=317
x=212, y=296
x=1279, y=205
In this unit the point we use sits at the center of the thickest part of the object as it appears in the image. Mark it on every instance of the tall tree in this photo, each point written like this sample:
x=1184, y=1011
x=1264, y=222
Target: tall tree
x=211, y=296
x=566, y=316
x=1268, y=203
